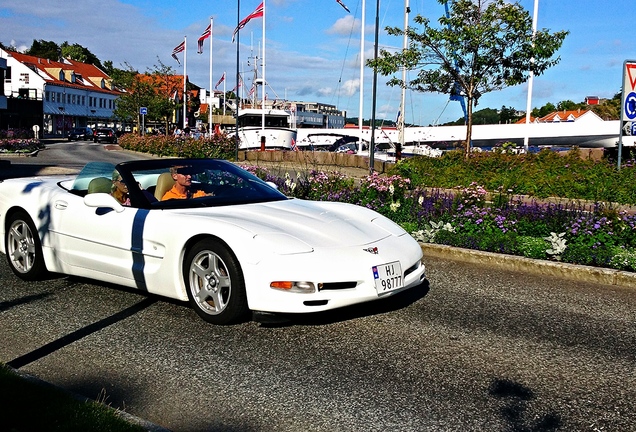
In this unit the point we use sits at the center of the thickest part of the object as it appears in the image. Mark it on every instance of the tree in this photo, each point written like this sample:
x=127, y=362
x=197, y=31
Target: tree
x=480, y=47
x=166, y=86
x=546, y=109
x=79, y=53
x=508, y=115
x=609, y=109
x=8, y=48
x=138, y=92
x=45, y=49
x=568, y=105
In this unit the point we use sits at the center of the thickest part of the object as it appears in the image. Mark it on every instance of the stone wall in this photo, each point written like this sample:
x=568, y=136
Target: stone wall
x=314, y=159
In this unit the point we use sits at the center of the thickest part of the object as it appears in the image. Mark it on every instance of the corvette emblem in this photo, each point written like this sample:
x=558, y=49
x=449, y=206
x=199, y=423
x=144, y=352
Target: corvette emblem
x=373, y=250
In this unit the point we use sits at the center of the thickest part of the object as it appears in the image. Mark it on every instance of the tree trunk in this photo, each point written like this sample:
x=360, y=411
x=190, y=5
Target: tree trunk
x=469, y=126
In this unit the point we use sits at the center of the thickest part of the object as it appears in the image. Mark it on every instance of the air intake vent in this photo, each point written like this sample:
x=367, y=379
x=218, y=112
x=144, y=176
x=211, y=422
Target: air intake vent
x=336, y=285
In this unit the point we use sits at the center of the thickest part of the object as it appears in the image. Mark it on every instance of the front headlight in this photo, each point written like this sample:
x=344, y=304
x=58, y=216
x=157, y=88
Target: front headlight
x=294, y=286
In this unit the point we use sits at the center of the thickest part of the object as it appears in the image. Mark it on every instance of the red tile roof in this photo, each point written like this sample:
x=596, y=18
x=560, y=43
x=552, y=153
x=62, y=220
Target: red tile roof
x=557, y=116
x=91, y=76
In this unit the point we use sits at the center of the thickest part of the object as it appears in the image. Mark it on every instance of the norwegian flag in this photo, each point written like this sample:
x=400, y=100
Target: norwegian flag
x=293, y=145
x=206, y=34
x=220, y=80
x=258, y=13
x=343, y=5
x=238, y=85
x=179, y=48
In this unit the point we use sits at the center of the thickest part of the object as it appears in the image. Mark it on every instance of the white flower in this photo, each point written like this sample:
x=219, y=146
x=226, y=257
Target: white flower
x=557, y=244
x=427, y=235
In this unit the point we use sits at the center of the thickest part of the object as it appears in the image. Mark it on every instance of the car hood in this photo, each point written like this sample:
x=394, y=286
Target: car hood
x=314, y=224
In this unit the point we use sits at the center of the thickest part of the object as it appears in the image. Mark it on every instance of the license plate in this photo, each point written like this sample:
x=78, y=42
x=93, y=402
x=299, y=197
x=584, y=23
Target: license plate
x=388, y=277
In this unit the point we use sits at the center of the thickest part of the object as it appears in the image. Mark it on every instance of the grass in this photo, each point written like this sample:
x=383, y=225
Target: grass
x=29, y=405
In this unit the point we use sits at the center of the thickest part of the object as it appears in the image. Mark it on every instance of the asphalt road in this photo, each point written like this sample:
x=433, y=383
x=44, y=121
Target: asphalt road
x=476, y=349
x=63, y=157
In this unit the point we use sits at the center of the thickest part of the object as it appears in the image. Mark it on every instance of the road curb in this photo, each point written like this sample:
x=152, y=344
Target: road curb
x=574, y=272
x=144, y=424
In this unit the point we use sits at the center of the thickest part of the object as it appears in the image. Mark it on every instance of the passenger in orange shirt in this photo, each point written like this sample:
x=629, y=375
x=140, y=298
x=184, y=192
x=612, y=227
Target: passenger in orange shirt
x=182, y=188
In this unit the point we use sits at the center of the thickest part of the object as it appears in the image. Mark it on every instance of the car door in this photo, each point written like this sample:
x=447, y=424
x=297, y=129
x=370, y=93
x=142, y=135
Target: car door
x=98, y=242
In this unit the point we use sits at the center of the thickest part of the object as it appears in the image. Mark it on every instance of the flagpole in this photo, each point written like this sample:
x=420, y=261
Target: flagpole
x=360, y=120
x=185, y=66
x=374, y=90
x=224, y=92
x=211, y=89
x=264, y=80
x=526, y=138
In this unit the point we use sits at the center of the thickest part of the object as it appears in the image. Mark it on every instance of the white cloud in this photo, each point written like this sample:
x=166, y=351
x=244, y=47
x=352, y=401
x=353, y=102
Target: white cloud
x=345, y=26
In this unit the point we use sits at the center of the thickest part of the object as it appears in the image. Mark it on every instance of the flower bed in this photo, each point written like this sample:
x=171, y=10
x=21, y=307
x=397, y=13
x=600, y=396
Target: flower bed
x=469, y=217
x=19, y=145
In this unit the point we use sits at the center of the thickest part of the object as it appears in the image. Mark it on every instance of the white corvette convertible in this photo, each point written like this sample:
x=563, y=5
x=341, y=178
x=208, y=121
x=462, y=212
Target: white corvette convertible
x=238, y=245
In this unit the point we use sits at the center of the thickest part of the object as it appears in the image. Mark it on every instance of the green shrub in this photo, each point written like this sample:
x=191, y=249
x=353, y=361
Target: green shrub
x=532, y=247
x=220, y=146
x=623, y=259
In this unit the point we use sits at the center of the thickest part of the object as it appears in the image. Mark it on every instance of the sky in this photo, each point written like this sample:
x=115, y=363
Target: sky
x=312, y=47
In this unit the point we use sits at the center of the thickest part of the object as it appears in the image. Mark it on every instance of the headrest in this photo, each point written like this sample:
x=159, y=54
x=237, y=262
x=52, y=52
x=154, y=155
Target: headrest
x=100, y=184
x=164, y=184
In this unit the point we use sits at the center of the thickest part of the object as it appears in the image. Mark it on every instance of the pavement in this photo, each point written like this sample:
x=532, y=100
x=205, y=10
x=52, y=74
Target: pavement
x=557, y=269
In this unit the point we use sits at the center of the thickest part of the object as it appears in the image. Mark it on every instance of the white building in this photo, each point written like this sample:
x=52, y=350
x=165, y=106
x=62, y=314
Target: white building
x=55, y=95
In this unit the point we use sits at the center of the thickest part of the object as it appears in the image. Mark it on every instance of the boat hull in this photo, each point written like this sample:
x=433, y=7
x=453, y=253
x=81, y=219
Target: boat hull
x=602, y=134
x=275, y=138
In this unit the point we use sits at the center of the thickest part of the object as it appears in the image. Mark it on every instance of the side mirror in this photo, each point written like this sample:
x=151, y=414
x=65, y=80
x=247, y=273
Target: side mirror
x=103, y=200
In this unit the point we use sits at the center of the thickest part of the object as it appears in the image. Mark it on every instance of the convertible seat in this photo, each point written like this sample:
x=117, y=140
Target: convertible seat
x=164, y=184
x=100, y=185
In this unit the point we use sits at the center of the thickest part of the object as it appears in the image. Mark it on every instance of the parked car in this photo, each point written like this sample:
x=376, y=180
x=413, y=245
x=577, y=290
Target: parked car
x=80, y=133
x=104, y=135
x=241, y=246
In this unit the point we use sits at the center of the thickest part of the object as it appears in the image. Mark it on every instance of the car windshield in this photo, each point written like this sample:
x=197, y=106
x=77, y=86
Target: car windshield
x=191, y=183
x=91, y=171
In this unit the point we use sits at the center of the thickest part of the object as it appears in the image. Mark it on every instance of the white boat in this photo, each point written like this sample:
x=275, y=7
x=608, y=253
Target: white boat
x=276, y=129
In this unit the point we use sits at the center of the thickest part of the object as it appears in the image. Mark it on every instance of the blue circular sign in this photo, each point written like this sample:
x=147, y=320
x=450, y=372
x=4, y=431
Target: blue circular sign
x=630, y=106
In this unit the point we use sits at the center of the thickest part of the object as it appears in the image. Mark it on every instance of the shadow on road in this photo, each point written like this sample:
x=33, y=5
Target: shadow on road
x=515, y=399
x=60, y=343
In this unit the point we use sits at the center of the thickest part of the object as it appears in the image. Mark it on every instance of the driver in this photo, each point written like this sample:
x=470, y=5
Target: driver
x=182, y=188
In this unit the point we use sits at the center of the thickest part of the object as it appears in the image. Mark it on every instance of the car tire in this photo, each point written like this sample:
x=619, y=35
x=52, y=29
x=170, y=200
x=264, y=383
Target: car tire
x=23, y=247
x=214, y=282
